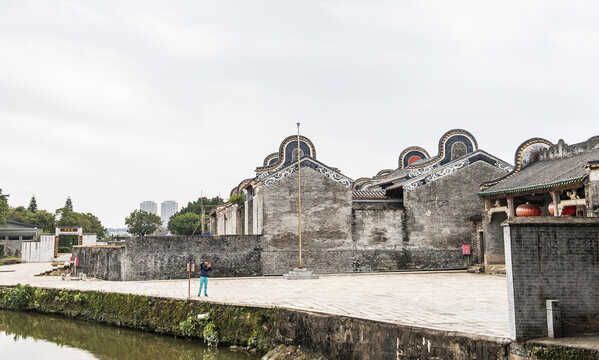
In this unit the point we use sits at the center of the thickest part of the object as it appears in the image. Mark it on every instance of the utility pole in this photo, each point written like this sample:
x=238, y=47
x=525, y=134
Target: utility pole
x=202, y=209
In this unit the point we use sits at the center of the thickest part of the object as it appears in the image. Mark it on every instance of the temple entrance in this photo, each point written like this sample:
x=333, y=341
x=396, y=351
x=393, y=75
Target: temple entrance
x=66, y=237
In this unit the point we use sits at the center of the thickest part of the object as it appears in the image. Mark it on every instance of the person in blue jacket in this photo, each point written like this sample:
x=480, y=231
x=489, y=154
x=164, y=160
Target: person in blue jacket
x=204, y=269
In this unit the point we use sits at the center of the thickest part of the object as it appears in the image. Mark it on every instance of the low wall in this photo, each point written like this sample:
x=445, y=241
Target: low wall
x=552, y=258
x=38, y=251
x=332, y=336
x=155, y=257
x=100, y=261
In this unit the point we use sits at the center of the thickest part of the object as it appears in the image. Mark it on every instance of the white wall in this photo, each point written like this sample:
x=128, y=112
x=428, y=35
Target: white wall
x=90, y=239
x=38, y=251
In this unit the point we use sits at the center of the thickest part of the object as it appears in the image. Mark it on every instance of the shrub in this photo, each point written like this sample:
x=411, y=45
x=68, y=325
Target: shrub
x=18, y=298
x=237, y=199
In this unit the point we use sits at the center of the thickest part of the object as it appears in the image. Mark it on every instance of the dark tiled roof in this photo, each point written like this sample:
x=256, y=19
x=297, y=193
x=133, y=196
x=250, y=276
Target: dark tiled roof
x=369, y=194
x=545, y=175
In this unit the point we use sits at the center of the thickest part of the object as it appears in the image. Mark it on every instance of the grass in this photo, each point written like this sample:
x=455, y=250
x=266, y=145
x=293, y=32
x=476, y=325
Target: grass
x=10, y=260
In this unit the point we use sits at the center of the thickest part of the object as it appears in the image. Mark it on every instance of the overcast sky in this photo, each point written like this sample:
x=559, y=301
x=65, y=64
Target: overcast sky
x=115, y=102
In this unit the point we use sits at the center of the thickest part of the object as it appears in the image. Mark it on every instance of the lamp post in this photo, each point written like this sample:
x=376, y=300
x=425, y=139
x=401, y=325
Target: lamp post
x=299, y=197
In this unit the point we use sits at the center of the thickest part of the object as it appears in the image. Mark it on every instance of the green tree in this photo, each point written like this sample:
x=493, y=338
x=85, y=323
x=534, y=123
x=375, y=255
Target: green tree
x=89, y=222
x=44, y=219
x=69, y=204
x=3, y=196
x=201, y=202
x=237, y=199
x=4, y=210
x=32, y=204
x=41, y=218
x=185, y=224
x=141, y=222
x=19, y=214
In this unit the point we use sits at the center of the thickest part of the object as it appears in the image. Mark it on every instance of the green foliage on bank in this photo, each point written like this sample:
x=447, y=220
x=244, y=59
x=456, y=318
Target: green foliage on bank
x=227, y=325
x=564, y=353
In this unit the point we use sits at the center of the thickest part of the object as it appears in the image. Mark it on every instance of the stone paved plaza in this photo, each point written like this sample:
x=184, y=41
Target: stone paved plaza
x=454, y=301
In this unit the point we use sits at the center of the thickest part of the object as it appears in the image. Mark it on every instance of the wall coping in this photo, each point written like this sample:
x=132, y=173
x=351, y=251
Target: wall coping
x=551, y=221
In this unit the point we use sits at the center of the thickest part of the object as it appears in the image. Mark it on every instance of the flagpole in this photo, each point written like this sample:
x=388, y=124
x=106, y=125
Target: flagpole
x=299, y=196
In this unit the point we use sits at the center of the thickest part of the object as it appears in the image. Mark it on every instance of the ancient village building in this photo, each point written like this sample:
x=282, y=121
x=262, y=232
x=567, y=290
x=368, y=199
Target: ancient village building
x=441, y=209
x=416, y=216
x=548, y=180
x=13, y=234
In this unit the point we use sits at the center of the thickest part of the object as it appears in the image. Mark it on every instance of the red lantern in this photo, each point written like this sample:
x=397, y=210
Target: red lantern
x=528, y=210
x=566, y=211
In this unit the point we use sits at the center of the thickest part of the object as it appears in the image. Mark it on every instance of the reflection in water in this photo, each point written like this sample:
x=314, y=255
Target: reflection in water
x=20, y=333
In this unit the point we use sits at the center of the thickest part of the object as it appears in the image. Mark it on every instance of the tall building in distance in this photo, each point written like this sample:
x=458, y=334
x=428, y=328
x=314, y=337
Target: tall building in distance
x=149, y=206
x=167, y=209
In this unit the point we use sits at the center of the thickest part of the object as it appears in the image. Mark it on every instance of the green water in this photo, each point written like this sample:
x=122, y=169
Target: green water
x=33, y=336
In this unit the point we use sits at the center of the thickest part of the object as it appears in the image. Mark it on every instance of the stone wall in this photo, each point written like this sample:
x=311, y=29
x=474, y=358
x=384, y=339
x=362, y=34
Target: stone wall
x=165, y=257
x=441, y=216
x=493, y=236
x=10, y=247
x=155, y=257
x=377, y=227
x=326, y=222
x=100, y=261
x=342, y=337
x=552, y=258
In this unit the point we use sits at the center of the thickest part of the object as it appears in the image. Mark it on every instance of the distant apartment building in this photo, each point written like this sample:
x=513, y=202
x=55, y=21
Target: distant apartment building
x=167, y=209
x=149, y=206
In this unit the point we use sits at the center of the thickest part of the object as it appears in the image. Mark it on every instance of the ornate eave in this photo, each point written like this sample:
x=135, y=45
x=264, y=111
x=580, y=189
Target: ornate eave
x=422, y=176
x=272, y=177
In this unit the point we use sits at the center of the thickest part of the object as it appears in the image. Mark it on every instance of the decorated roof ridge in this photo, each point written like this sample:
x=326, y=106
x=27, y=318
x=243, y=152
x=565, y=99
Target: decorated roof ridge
x=333, y=173
x=410, y=155
x=423, y=158
x=369, y=194
x=442, y=147
x=594, y=164
x=270, y=158
x=384, y=172
x=241, y=186
x=525, y=155
x=285, y=154
x=456, y=164
x=361, y=182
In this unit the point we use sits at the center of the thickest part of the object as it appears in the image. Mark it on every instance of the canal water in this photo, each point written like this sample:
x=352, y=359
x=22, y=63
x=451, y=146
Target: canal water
x=34, y=336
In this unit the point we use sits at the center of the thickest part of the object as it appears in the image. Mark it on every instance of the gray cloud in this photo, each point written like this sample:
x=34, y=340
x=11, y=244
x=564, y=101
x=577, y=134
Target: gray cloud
x=113, y=103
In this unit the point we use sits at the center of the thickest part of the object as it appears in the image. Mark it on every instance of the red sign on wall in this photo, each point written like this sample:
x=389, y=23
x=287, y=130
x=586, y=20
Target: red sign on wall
x=466, y=249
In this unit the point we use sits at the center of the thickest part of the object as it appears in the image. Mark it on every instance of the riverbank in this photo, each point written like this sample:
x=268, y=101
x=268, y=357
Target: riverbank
x=32, y=335
x=333, y=337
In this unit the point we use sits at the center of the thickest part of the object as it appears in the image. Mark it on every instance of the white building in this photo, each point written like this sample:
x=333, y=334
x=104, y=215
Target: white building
x=149, y=206
x=167, y=209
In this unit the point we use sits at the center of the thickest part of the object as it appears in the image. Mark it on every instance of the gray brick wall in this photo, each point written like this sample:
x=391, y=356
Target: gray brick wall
x=440, y=216
x=155, y=257
x=552, y=258
x=326, y=222
x=102, y=262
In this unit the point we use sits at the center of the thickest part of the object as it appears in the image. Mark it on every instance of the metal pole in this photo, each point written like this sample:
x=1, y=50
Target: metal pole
x=189, y=282
x=202, y=210
x=299, y=197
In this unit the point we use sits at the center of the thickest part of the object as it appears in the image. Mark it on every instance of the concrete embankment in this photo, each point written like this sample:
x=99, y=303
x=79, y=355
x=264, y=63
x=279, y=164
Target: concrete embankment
x=329, y=336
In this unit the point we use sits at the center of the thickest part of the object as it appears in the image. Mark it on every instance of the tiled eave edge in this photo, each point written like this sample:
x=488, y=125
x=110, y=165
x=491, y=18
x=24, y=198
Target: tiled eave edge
x=533, y=188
